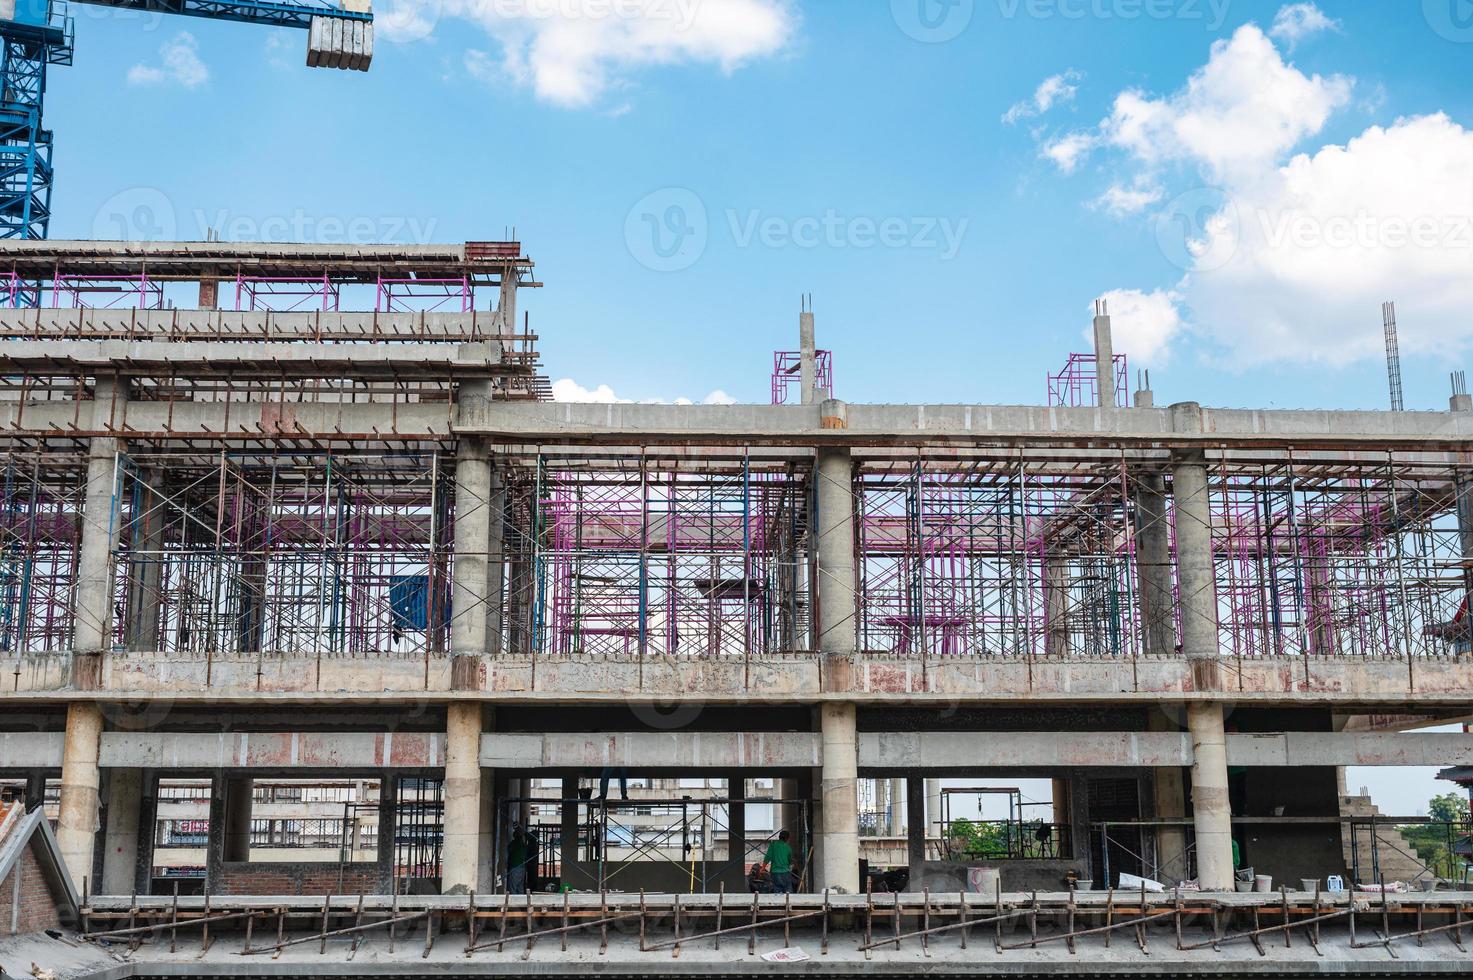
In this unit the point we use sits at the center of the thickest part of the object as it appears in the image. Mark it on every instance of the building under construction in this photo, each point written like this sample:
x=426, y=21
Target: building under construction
x=277, y=517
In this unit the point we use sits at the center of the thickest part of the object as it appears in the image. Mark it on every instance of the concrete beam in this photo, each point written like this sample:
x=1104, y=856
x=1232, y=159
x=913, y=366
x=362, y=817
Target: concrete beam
x=255, y=326
x=31, y=750
x=527, y=422
x=907, y=424
x=628, y=750
x=272, y=750
x=737, y=750
x=1002, y=750
x=275, y=359
x=978, y=750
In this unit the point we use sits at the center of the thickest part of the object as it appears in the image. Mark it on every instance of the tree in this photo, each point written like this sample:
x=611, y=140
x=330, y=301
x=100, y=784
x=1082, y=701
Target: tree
x=1435, y=842
x=1448, y=808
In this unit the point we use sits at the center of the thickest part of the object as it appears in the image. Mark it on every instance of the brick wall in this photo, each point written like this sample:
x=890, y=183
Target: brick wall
x=37, y=905
x=296, y=879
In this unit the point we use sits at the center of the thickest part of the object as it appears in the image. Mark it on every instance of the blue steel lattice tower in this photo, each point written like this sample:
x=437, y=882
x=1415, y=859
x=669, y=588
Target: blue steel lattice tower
x=36, y=35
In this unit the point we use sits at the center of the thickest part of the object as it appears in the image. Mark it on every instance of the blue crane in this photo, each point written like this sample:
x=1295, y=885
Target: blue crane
x=37, y=34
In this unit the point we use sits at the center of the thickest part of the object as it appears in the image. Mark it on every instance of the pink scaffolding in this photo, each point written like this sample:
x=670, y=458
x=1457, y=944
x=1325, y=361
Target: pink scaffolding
x=1077, y=385
x=425, y=295
x=787, y=374
x=287, y=294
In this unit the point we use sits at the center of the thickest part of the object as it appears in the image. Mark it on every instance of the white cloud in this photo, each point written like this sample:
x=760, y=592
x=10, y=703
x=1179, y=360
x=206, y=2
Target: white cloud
x=1142, y=324
x=572, y=52
x=180, y=64
x=1238, y=114
x=1317, y=245
x=1052, y=91
x=1121, y=201
x=568, y=390
x=1288, y=258
x=1068, y=151
x=1297, y=21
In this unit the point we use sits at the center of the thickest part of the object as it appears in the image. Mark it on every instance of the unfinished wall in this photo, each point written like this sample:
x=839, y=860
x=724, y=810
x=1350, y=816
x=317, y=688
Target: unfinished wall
x=38, y=907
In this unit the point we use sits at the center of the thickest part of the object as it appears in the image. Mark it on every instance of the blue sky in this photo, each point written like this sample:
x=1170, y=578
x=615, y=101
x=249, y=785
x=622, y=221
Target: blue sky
x=954, y=180
x=776, y=118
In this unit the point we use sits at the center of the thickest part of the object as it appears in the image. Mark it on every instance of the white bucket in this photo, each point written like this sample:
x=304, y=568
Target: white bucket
x=1263, y=883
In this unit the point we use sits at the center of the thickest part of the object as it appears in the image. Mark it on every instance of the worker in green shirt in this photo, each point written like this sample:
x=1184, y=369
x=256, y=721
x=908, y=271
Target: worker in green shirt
x=779, y=864
x=517, y=852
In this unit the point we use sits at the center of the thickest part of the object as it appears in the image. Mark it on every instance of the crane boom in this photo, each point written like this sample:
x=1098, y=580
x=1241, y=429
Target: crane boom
x=35, y=34
x=278, y=14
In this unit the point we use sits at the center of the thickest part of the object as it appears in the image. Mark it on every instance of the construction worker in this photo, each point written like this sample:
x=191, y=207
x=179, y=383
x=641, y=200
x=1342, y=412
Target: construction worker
x=517, y=852
x=779, y=864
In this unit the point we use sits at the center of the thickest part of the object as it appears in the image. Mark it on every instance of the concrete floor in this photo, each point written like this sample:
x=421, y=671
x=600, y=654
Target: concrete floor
x=70, y=958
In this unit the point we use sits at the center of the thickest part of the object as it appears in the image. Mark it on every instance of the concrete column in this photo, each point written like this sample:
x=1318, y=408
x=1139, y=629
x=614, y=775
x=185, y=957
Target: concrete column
x=1195, y=576
x=1104, y=357
x=838, y=846
x=1211, y=813
x=1153, y=564
x=899, y=811
x=1169, y=793
x=507, y=308
x=92, y=605
x=915, y=826
x=736, y=819
x=76, y=825
x=568, y=849
x=209, y=293
x=120, y=850
x=236, y=832
x=469, y=579
x=837, y=629
x=145, y=572
x=35, y=790
x=460, y=856
x=933, y=807
x=496, y=565
x=1056, y=606
x=807, y=358
x=486, y=850
x=388, y=819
